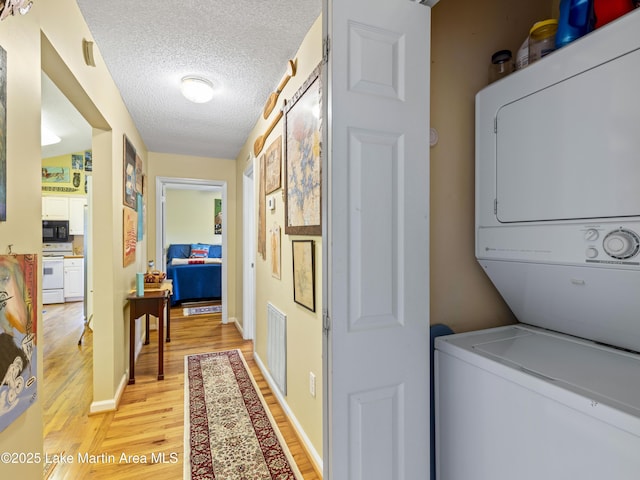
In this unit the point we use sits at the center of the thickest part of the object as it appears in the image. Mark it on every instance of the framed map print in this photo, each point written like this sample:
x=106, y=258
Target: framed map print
x=274, y=166
x=302, y=126
x=304, y=275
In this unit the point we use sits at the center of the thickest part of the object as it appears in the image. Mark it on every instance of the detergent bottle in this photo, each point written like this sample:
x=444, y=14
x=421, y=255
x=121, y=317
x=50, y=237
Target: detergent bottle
x=576, y=19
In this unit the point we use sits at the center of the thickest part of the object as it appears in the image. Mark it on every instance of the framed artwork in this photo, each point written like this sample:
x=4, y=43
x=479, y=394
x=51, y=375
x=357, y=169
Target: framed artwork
x=56, y=175
x=140, y=210
x=273, y=174
x=138, y=174
x=3, y=135
x=304, y=276
x=129, y=236
x=77, y=161
x=129, y=169
x=217, y=216
x=18, y=349
x=88, y=161
x=302, y=127
x=276, y=261
x=262, y=210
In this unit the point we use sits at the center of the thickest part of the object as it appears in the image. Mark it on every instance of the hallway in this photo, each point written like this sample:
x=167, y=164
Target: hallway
x=150, y=417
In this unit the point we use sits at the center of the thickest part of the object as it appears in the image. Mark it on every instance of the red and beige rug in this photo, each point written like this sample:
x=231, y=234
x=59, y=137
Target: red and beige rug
x=229, y=431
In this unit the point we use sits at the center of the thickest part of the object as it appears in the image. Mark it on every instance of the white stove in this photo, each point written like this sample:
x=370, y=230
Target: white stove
x=53, y=271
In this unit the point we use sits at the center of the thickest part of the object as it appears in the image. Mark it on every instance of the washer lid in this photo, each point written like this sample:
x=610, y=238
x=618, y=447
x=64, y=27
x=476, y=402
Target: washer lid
x=598, y=373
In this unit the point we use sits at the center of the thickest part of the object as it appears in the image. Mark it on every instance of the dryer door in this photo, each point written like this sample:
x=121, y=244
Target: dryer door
x=571, y=150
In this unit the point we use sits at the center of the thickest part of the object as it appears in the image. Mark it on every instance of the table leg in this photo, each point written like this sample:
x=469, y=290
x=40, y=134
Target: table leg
x=132, y=333
x=146, y=334
x=161, y=344
x=168, y=319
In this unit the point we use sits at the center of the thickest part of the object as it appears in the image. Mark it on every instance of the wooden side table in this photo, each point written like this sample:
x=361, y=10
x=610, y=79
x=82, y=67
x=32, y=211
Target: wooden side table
x=153, y=302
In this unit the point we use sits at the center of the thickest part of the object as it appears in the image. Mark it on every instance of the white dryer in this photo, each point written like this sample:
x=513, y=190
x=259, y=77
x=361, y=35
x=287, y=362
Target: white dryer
x=558, y=233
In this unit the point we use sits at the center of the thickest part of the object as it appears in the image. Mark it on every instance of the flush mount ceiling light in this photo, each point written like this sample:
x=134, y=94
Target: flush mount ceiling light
x=197, y=89
x=47, y=137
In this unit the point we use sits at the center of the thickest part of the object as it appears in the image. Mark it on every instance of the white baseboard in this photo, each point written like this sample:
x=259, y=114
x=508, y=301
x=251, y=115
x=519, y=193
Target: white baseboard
x=238, y=326
x=315, y=458
x=111, y=404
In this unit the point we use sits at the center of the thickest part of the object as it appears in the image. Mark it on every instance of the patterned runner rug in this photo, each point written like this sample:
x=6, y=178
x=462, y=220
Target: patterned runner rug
x=229, y=431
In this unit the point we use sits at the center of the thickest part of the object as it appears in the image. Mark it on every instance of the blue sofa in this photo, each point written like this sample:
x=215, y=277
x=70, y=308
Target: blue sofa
x=194, y=282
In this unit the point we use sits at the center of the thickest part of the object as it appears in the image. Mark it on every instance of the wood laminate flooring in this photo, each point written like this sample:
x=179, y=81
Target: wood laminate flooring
x=148, y=425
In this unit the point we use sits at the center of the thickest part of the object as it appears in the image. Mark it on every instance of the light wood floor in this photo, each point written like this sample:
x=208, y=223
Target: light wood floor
x=150, y=417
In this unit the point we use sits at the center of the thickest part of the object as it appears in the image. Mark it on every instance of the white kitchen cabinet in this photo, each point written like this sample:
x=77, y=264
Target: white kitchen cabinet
x=73, y=279
x=76, y=215
x=55, y=208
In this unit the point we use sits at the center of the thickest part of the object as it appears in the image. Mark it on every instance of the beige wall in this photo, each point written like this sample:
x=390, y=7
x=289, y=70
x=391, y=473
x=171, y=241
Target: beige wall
x=465, y=33
x=50, y=38
x=304, y=328
x=200, y=168
x=198, y=225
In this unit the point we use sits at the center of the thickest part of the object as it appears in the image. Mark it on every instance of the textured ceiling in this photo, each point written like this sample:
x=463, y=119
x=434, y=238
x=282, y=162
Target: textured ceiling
x=242, y=46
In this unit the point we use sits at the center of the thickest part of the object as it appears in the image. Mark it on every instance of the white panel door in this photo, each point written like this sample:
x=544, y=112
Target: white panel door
x=377, y=199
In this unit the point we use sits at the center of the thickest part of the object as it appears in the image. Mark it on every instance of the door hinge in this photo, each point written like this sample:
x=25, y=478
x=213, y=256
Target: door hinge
x=326, y=322
x=326, y=46
x=495, y=124
x=495, y=206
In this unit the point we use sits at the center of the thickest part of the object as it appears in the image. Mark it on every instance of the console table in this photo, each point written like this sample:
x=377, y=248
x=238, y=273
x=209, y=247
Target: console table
x=153, y=302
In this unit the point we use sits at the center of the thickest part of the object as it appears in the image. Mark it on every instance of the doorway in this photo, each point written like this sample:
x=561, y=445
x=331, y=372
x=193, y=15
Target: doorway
x=249, y=253
x=163, y=184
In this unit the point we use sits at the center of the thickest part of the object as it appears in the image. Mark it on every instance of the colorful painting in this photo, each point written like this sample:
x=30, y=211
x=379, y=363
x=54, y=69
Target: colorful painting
x=18, y=321
x=88, y=161
x=129, y=236
x=3, y=135
x=56, y=175
x=302, y=126
x=273, y=174
x=275, y=252
x=129, y=170
x=77, y=161
x=304, y=276
x=217, y=216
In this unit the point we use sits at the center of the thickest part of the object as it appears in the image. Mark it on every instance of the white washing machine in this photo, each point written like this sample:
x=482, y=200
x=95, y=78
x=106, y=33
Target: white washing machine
x=558, y=233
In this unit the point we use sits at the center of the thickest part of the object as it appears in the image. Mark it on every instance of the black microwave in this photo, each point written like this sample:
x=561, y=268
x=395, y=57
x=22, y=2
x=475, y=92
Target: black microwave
x=55, y=231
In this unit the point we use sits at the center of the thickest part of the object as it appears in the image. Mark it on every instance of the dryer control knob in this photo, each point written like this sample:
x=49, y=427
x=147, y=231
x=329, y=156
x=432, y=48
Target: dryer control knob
x=592, y=252
x=591, y=235
x=621, y=244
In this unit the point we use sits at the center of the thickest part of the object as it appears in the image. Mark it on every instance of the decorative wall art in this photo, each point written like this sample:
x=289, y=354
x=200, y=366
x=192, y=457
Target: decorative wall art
x=65, y=173
x=217, y=216
x=77, y=161
x=138, y=174
x=262, y=210
x=56, y=175
x=18, y=322
x=302, y=126
x=129, y=236
x=273, y=174
x=88, y=161
x=129, y=168
x=275, y=251
x=304, y=276
x=140, y=210
x=3, y=135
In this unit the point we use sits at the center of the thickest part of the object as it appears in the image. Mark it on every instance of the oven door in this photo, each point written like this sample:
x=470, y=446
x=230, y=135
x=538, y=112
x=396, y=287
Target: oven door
x=52, y=273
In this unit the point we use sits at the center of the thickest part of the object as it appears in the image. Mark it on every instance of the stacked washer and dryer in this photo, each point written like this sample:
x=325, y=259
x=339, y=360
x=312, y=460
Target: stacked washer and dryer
x=557, y=396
